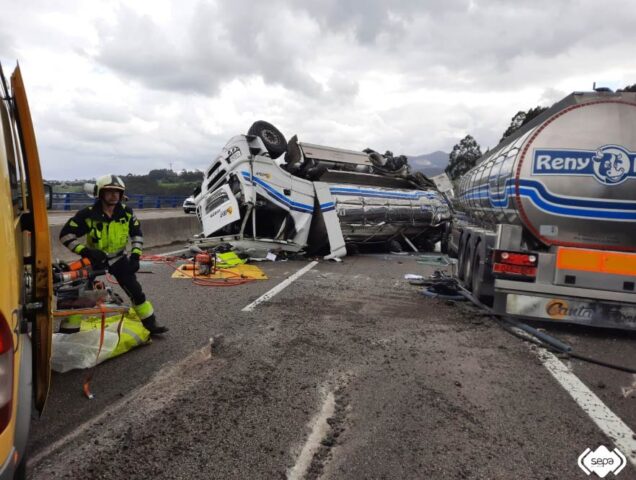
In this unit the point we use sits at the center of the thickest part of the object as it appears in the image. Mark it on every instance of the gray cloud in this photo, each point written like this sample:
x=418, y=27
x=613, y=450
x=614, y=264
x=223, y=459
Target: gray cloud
x=454, y=43
x=211, y=51
x=117, y=86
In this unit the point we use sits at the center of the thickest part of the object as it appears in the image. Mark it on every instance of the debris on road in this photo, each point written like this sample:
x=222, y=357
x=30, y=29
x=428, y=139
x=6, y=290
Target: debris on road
x=315, y=199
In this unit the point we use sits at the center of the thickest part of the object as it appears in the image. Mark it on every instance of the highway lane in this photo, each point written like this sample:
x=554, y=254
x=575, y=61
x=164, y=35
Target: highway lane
x=391, y=384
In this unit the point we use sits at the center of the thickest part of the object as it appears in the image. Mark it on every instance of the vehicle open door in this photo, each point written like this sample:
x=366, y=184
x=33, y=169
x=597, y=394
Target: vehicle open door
x=39, y=306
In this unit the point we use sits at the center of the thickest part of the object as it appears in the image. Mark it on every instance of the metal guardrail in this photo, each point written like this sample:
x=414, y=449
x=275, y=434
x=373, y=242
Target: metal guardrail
x=75, y=201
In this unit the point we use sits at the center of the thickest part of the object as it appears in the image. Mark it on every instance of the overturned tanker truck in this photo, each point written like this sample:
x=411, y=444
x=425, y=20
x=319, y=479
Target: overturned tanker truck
x=546, y=222
x=264, y=193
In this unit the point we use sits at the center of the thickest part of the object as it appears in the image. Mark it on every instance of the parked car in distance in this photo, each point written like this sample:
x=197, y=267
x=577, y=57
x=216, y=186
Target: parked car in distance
x=189, y=206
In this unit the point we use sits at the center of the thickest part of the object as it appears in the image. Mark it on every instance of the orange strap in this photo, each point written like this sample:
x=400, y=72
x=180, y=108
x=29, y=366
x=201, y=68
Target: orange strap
x=89, y=376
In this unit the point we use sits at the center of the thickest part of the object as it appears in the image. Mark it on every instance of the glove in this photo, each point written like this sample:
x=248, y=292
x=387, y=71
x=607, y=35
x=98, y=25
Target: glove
x=133, y=261
x=97, y=258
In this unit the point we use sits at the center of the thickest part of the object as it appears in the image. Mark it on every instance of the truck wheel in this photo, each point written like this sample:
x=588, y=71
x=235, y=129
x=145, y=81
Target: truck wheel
x=478, y=282
x=445, y=240
x=461, y=257
x=274, y=141
x=468, y=267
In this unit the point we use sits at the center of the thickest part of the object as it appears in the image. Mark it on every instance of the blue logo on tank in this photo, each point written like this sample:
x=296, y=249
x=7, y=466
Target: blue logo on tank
x=609, y=165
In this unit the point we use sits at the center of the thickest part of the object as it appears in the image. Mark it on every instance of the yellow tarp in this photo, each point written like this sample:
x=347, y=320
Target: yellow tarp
x=244, y=271
x=79, y=350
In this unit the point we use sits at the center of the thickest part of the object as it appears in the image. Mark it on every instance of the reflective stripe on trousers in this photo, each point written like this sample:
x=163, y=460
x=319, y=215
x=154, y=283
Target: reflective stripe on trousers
x=144, y=310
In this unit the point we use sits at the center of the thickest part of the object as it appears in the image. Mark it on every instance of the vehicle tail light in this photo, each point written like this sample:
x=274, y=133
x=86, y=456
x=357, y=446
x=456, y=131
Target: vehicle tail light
x=518, y=265
x=6, y=373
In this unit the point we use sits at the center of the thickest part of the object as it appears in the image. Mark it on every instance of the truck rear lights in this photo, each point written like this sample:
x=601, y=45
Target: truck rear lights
x=6, y=373
x=516, y=258
x=519, y=265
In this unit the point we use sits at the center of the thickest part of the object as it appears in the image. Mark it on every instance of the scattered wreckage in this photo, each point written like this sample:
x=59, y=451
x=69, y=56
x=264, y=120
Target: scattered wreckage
x=264, y=193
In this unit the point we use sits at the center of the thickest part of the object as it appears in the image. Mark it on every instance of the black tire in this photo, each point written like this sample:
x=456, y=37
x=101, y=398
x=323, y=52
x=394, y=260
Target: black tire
x=478, y=282
x=273, y=139
x=461, y=257
x=468, y=267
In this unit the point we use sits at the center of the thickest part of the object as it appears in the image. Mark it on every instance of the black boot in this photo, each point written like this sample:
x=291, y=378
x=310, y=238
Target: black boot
x=150, y=324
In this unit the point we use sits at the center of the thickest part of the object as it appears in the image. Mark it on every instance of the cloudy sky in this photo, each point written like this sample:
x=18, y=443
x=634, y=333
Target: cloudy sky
x=126, y=87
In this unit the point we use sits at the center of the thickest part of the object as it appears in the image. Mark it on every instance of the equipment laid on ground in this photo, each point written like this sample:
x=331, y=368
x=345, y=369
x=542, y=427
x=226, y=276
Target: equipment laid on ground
x=217, y=269
x=74, y=286
x=316, y=199
x=546, y=222
x=95, y=324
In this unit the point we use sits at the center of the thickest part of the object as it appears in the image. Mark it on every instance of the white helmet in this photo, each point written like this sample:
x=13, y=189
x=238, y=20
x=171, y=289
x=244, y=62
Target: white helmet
x=109, y=181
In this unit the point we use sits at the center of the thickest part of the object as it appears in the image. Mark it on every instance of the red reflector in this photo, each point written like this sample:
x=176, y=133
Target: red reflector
x=6, y=337
x=514, y=269
x=6, y=373
x=516, y=258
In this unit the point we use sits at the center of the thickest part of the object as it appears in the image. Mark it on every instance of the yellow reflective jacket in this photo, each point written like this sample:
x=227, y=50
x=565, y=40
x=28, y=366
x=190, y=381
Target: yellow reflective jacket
x=109, y=235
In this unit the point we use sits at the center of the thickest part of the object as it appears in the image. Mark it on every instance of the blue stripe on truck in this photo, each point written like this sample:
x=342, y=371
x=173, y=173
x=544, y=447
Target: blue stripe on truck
x=300, y=207
x=545, y=200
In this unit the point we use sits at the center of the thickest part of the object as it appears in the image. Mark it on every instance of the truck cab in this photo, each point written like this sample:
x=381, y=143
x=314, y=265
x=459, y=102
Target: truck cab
x=25, y=283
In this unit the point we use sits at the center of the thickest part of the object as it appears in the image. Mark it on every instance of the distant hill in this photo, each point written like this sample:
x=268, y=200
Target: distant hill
x=429, y=164
x=155, y=182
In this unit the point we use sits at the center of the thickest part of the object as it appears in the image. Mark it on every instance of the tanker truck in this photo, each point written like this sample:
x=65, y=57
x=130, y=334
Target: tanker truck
x=264, y=193
x=545, y=224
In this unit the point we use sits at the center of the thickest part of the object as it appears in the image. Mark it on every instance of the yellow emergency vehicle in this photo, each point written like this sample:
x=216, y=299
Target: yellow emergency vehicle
x=25, y=278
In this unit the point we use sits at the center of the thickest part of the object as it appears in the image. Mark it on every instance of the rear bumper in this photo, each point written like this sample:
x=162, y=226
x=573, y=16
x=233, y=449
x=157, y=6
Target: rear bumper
x=595, y=308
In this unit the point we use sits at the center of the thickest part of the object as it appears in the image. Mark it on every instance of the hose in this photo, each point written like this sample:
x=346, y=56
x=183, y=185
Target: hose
x=541, y=338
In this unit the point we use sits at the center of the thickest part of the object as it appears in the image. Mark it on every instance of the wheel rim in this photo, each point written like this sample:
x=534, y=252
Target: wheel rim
x=270, y=137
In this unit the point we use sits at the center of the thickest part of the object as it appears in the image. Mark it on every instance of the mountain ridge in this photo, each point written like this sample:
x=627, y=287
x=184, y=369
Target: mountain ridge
x=430, y=164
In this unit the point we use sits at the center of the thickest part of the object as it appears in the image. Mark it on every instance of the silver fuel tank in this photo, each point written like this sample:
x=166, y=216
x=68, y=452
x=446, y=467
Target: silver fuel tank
x=569, y=177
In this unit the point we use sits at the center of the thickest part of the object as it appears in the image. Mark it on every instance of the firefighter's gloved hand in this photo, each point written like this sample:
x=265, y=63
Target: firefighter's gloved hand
x=134, y=262
x=97, y=258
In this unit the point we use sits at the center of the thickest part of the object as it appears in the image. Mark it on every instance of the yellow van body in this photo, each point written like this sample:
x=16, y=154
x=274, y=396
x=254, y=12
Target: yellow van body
x=25, y=278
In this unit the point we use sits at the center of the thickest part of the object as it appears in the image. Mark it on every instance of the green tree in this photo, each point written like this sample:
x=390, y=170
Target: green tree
x=629, y=88
x=520, y=119
x=463, y=157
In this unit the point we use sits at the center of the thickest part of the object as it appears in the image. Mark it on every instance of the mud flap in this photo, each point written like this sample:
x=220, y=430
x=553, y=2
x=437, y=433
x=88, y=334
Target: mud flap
x=332, y=224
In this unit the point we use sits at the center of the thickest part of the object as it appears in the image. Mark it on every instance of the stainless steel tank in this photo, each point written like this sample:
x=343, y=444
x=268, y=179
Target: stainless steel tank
x=371, y=213
x=569, y=177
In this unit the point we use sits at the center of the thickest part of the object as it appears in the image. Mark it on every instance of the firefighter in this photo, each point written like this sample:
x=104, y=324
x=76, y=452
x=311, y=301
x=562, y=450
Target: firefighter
x=108, y=225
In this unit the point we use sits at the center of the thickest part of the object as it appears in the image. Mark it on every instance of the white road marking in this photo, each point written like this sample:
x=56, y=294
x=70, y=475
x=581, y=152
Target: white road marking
x=319, y=429
x=612, y=426
x=279, y=287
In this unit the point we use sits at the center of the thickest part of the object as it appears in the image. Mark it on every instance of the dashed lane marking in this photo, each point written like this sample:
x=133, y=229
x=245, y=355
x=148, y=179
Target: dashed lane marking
x=611, y=425
x=278, y=288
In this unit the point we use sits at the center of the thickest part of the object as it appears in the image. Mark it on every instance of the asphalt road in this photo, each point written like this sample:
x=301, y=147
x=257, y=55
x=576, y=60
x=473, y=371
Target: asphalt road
x=349, y=372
